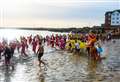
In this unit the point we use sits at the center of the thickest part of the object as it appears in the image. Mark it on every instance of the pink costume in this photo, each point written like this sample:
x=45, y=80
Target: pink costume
x=34, y=45
x=52, y=41
x=62, y=43
x=23, y=46
x=57, y=40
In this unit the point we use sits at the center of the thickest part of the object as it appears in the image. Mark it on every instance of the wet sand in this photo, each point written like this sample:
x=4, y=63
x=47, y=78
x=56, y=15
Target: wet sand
x=65, y=67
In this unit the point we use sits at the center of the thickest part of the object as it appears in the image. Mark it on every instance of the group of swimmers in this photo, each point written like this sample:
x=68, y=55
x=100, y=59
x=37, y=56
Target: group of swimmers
x=7, y=49
x=70, y=42
x=75, y=42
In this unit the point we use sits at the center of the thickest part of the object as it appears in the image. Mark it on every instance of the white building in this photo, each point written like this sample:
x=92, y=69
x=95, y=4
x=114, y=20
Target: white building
x=115, y=18
x=112, y=18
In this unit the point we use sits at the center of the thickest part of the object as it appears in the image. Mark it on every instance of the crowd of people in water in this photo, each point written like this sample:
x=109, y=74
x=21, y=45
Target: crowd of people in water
x=73, y=42
x=7, y=49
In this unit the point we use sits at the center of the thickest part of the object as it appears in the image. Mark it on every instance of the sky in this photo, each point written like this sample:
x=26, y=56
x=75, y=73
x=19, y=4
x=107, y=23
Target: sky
x=54, y=13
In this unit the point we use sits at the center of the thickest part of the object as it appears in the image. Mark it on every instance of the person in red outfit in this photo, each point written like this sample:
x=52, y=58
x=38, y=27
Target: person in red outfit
x=34, y=45
x=52, y=40
x=23, y=47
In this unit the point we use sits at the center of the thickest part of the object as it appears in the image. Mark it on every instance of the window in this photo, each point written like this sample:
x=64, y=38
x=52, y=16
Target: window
x=113, y=14
x=113, y=18
x=109, y=14
x=109, y=19
x=113, y=22
x=117, y=18
x=117, y=22
x=117, y=14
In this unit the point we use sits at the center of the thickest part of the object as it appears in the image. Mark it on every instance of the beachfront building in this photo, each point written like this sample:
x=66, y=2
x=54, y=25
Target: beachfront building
x=112, y=18
x=112, y=22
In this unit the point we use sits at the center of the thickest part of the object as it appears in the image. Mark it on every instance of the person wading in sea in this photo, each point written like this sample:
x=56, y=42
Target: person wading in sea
x=8, y=55
x=40, y=53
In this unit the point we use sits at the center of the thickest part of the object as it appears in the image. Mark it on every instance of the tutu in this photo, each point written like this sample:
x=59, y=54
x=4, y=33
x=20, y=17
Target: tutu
x=82, y=45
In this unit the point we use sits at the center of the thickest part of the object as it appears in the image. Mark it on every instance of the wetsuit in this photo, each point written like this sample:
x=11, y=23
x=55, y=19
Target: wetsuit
x=8, y=55
x=1, y=49
x=40, y=52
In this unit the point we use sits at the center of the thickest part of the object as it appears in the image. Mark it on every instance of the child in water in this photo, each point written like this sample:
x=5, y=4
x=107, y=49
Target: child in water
x=77, y=46
x=99, y=49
